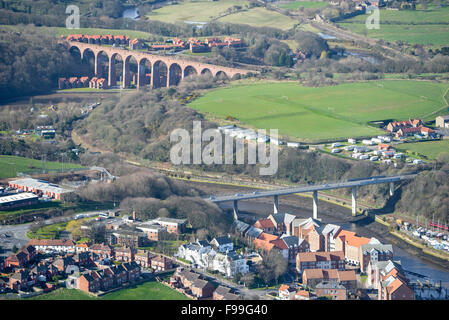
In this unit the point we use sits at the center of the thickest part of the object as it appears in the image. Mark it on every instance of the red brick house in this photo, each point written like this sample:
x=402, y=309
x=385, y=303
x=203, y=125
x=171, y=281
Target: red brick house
x=21, y=280
x=16, y=260
x=89, y=283
x=143, y=258
x=124, y=254
x=102, y=251
x=202, y=288
x=266, y=225
x=320, y=260
x=347, y=278
x=161, y=263
x=133, y=271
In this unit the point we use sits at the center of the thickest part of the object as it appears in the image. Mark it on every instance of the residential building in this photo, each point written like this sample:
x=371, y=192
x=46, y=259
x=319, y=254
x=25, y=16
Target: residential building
x=265, y=224
x=392, y=283
x=320, y=260
x=310, y=230
x=282, y=222
x=124, y=254
x=294, y=246
x=129, y=238
x=240, y=227
x=152, y=230
x=331, y=290
x=442, y=121
x=59, y=245
x=395, y=126
x=143, y=258
x=330, y=232
x=286, y=292
x=347, y=278
x=223, y=244
x=350, y=243
x=229, y=264
x=16, y=260
x=202, y=288
x=224, y=293
x=102, y=251
x=252, y=233
x=374, y=251
x=161, y=263
x=173, y=225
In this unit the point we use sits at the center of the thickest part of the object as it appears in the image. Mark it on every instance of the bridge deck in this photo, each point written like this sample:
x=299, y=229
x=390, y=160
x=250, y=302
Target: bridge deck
x=311, y=188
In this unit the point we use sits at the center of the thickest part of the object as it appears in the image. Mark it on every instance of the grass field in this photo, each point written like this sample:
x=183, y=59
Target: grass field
x=10, y=165
x=260, y=17
x=430, y=149
x=146, y=291
x=428, y=27
x=205, y=11
x=313, y=114
x=195, y=11
x=295, y=5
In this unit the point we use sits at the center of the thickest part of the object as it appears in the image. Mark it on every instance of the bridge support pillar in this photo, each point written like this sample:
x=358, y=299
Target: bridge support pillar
x=391, y=188
x=354, y=201
x=155, y=76
x=98, y=71
x=126, y=79
x=276, y=204
x=236, y=209
x=112, y=80
x=140, y=76
x=315, y=205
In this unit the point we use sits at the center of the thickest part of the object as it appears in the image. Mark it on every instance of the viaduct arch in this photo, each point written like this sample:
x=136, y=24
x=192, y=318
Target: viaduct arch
x=165, y=71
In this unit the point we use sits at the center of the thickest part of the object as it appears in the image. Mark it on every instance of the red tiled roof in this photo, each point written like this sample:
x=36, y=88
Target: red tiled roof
x=280, y=244
x=264, y=224
x=267, y=237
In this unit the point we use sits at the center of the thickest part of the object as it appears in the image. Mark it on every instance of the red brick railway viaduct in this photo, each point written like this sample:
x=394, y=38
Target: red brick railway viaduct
x=172, y=64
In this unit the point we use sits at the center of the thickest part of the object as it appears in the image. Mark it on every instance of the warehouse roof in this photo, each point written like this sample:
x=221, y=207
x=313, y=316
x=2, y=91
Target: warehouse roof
x=17, y=197
x=39, y=185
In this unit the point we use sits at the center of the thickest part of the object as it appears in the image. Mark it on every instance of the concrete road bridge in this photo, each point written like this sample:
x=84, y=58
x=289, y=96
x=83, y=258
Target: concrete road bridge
x=165, y=71
x=353, y=183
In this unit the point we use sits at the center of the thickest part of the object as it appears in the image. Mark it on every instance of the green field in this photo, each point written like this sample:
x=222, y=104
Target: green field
x=260, y=17
x=430, y=149
x=196, y=11
x=314, y=114
x=146, y=291
x=10, y=165
x=205, y=11
x=427, y=27
x=295, y=5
